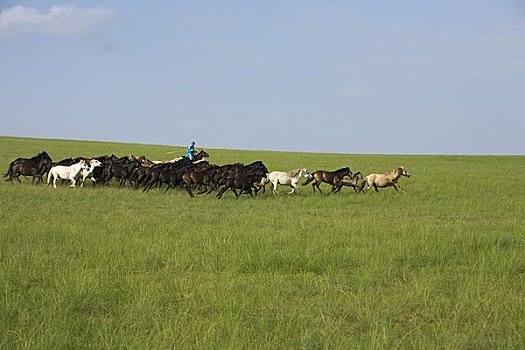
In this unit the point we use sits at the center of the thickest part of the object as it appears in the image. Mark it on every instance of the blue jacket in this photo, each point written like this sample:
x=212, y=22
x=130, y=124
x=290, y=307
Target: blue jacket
x=191, y=150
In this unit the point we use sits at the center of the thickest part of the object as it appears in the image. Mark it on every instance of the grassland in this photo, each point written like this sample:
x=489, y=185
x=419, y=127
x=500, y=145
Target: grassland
x=442, y=267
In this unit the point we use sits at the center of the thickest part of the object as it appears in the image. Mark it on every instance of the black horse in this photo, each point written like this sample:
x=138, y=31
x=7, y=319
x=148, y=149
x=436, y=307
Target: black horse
x=120, y=168
x=36, y=167
x=242, y=177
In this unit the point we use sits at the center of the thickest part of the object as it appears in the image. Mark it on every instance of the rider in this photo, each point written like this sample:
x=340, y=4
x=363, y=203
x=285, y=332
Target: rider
x=191, y=151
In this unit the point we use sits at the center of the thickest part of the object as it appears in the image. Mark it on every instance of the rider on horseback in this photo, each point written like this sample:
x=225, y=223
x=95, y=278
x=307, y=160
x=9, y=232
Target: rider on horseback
x=191, y=150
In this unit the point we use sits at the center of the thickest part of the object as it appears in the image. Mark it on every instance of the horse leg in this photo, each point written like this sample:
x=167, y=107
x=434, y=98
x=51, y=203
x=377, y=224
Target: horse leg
x=274, y=188
x=398, y=188
x=375, y=188
x=221, y=192
x=73, y=182
x=336, y=188
x=38, y=178
x=204, y=191
x=318, y=185
x=148, y=184
x=188, y=189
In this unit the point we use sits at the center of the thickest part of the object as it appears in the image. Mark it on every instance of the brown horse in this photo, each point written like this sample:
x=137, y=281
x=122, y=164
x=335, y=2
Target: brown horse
x=334, y=178
x=384, y=180
x=196, y=176
x=143, y=160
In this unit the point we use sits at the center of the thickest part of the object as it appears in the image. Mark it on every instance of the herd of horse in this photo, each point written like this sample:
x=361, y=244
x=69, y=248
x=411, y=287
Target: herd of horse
x=190, y=175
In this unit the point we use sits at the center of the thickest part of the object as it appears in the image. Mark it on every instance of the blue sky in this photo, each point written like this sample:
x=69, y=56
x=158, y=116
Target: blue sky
x=409, y=77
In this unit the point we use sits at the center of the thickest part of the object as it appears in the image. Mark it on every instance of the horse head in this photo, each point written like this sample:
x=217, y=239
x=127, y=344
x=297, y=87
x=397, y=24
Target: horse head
x=95, y=163
x=402, y=171
x=45, y=156
x=84, y=165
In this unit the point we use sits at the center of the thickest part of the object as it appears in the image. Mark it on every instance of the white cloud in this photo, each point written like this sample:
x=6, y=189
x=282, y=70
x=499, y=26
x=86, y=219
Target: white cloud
x=61, y=20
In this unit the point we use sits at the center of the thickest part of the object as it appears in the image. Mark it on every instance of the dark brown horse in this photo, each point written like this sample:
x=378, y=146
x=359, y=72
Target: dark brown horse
x=334, y=178
x=199, y=156
x=36, y=167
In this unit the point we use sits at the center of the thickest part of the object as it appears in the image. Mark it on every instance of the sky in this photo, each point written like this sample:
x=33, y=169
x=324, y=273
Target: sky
x=391, y=77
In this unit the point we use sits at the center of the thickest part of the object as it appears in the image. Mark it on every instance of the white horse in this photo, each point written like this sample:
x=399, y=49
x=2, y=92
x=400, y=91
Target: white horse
x=88, y=172
x=291, y=178
x=66, y=172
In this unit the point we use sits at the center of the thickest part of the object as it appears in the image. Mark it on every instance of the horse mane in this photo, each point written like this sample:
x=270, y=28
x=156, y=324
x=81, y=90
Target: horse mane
x=293, y=173
x=394, y=172
x=342, y=170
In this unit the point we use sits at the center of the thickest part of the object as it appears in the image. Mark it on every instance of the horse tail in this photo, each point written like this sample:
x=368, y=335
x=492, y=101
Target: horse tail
x=49, y=176
x=9, y=172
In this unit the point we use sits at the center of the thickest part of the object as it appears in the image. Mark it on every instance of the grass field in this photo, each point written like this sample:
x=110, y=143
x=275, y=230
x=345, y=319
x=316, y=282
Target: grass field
x=442, y=267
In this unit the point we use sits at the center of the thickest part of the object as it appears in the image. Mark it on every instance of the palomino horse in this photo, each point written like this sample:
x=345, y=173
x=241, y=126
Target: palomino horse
x=384, y=180
x=66, y=172
x=334, y=178
x=290, y=178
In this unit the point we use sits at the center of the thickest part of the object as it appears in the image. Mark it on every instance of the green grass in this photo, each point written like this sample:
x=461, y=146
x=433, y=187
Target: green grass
x=442, y=267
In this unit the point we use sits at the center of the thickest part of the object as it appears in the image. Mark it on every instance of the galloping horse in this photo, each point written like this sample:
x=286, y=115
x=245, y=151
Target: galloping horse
x=93, y=163
x=66, y=172
x=384, y=180
x=199, y=156
x=290, y=178
x=334, y=178
x=196, y=176
x=36, y=167
x=352, y=181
